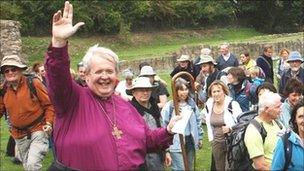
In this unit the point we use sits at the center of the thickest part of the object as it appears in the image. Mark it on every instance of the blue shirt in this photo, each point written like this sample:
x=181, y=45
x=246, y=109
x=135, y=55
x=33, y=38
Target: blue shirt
x=297, y=158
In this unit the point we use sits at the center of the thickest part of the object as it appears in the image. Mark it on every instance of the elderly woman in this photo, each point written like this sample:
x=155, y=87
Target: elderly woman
x=147, y=107
x=238, y=85
x=95, y=129
x=125, y=84
x=296, y=140
x=221, y=112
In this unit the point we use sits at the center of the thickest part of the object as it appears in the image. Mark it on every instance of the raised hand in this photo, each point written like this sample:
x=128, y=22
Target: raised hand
x=63, y=25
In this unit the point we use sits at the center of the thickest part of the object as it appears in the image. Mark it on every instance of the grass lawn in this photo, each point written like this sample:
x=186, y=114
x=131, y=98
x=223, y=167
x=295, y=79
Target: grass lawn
x=202, y=156
x=139, y=45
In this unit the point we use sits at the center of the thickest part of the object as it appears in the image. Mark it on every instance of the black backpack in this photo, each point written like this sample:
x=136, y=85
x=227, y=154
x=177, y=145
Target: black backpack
x=237, y=154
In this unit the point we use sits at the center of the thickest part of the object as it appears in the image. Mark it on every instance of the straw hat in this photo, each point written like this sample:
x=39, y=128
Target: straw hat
x=12, y=60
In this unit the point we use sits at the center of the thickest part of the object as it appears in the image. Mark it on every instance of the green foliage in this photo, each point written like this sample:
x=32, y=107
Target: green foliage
x=123, y=17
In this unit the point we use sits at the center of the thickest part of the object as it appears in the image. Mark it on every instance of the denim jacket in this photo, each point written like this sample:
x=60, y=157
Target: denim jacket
x=195, y=124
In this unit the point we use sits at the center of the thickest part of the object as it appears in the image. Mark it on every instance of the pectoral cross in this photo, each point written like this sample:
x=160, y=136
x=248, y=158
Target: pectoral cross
x=116, y=132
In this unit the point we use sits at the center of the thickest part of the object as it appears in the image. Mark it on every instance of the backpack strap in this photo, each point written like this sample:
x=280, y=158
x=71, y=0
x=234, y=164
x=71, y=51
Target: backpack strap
x=260, y=128
x=31, y=86
x=287, y=150
x=230, y=107
x=279, y=124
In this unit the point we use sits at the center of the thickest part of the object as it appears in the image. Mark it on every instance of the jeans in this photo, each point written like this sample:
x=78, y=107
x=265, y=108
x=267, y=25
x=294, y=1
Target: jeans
x=177, y=157
x=32, y=151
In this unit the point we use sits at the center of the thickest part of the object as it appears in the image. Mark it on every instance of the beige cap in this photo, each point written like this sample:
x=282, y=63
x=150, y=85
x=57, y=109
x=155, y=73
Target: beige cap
x=183, y=58
x=12, y=60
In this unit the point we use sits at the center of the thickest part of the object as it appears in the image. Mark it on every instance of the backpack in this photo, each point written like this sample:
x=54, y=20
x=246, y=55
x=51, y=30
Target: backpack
x=33, y=92
x=237, y=154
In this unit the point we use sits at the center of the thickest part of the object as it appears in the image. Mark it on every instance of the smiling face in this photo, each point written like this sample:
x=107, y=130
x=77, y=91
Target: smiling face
x=217, y=93
x=183, y=64
x=102, y=77
x=294, y=98
x=12, y=74
x=183, y=93
x=300, y=119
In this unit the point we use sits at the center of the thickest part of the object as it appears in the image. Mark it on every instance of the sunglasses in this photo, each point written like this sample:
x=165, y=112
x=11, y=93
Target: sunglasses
x=10, y=69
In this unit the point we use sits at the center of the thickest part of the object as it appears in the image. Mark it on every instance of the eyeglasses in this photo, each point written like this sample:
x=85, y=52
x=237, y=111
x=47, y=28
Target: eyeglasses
x=6, y=71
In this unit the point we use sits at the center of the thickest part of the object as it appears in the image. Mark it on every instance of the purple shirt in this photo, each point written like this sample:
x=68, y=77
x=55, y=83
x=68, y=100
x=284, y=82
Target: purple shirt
x=83, y=133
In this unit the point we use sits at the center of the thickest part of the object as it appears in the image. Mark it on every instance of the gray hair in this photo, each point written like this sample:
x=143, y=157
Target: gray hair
x=267, y=99
x=101, y=52
x=224, y=45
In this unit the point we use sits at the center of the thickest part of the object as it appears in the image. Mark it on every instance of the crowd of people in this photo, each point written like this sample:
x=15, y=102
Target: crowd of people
x=95, y=121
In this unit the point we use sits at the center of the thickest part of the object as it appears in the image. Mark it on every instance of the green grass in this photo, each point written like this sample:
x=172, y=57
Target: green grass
x=139, y=45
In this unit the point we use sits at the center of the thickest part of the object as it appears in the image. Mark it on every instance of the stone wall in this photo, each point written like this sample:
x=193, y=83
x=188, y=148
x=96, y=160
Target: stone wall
x=10, y=38
x=168, y=62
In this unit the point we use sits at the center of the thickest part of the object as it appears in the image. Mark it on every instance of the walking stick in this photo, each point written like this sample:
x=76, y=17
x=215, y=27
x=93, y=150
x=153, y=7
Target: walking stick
x=177, y=112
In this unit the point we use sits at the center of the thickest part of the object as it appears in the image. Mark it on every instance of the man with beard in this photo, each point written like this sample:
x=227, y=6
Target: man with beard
x=295, y=71
x=211, y=73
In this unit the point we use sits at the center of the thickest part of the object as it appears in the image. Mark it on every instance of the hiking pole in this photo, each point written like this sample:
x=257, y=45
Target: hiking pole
x=177, y=112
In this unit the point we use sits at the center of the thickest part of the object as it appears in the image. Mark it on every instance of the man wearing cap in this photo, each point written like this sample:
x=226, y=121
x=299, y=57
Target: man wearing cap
x=226, y=59
x=211, y=73
x=31, y=115
x=184, y=64
x=160, y=92
x=295, y=71
x=148, y=109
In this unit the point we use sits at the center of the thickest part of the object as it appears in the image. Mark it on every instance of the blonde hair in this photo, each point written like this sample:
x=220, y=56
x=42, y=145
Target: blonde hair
x=283, y=50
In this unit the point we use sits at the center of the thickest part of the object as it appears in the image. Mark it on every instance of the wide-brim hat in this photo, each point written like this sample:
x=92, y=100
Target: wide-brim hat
x=12, y=60
x=295, y=56
x=206, y=59
x=140, y=82
x=147, y=71
x=183, y=58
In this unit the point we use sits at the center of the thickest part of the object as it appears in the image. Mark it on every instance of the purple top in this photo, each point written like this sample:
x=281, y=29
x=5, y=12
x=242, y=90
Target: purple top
x=82, y=132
